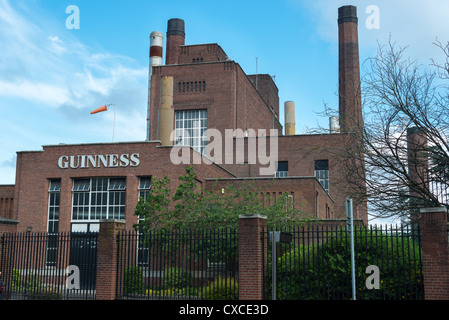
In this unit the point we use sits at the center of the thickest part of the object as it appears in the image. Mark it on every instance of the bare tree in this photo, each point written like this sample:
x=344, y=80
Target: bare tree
x=398, y=160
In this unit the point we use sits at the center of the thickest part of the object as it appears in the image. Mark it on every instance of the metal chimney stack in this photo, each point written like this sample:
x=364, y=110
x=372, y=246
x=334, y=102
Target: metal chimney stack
x=166, y=112
x=156, y=50
x=289, y=114
x=334, y=126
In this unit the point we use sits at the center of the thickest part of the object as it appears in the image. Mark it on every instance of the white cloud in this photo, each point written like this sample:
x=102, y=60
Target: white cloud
x=56, y=45
x=48, y=72
x=50, y=94
x=55, y=68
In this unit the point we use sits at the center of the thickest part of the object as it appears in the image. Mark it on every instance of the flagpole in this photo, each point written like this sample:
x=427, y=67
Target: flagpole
x=105, y=108
x=113, y=129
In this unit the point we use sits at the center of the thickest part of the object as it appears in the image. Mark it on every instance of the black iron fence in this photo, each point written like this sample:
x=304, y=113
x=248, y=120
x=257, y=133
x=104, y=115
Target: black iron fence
x=179, y=264
x=203, y=264
x=317, y=264
x=42, y=266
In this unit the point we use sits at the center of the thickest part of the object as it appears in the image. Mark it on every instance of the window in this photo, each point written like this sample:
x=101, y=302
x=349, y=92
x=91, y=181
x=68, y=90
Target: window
x=322, y=173
x=144, y=187
x=190, y=127
x=143, y=251
x=98, y=198
x=54, y=192
x=281, y=169
x=289, y=202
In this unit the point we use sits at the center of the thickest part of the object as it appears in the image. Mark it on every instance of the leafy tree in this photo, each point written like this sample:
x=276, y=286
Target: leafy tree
x=194, y=206
x=152, y=210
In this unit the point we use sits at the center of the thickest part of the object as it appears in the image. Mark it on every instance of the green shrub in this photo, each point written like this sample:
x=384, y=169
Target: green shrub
x=33, y=287
x=222, y=289
x=17, y=282
x=133, y=280
x=176, y=277
x=323, y=271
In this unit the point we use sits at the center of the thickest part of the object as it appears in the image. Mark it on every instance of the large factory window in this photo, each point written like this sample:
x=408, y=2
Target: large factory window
x=190, y=127
x=322, y=173
x=98, y=198
x=54, y=192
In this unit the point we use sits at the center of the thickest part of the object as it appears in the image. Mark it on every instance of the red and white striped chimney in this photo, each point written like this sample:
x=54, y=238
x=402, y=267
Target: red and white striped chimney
x=156, y=50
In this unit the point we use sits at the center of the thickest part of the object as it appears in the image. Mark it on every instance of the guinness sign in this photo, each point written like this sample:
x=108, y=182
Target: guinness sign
x=99, y=161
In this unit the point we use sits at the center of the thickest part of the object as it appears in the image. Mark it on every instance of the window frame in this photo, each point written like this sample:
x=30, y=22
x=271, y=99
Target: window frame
x=105, y=198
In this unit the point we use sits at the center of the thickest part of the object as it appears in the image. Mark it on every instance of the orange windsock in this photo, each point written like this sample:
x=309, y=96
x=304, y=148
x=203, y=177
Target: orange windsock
x=102, y=108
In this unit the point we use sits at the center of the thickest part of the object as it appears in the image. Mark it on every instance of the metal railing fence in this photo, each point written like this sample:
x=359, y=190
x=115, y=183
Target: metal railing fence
x=178, y=264
x=42, y=266
x=316, y=265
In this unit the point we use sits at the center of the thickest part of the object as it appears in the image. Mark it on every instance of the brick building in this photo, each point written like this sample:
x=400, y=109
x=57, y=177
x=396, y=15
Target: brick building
x=71, y=187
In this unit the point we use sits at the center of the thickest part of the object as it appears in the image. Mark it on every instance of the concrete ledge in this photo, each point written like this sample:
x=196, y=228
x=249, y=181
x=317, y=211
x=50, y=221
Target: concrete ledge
x=435, y=209
x=252, y=216
x=8, y=221
x=113, y=220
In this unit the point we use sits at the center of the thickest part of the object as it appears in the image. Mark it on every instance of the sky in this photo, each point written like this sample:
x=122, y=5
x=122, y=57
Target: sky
x=53, y=75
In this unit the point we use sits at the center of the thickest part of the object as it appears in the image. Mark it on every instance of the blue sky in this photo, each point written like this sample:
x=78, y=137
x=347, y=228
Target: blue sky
x=51, y=77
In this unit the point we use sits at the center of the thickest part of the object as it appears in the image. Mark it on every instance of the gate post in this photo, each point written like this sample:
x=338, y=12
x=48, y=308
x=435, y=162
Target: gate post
x=435, y=253
x=107, y=258
x=251, y=257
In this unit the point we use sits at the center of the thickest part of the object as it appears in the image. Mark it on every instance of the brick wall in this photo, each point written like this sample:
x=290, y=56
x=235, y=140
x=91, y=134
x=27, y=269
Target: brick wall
x=8, y=225
x=230, y=98
x=301, y=152
x=36, y=168
x=210, y=52
x=268, y=90
x=6, y=201
x=304, y=191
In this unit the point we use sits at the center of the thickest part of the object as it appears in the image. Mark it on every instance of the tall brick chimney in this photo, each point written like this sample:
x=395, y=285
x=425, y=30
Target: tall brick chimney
x=418, y=163
x=175, y=38
x=350, y=105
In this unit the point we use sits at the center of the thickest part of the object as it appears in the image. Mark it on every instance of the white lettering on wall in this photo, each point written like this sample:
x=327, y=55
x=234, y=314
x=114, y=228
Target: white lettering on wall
x=99, y=161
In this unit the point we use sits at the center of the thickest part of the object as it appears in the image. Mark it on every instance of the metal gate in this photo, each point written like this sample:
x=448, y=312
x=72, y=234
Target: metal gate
x=83, y=254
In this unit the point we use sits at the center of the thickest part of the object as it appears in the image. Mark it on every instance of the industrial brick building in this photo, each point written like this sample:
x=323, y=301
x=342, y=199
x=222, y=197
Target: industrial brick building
x=71, y=187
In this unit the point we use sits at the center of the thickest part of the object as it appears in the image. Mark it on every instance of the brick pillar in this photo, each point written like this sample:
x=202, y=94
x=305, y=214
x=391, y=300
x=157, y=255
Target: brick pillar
x=250, y=257
x=435, y=253
x=107, y=258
